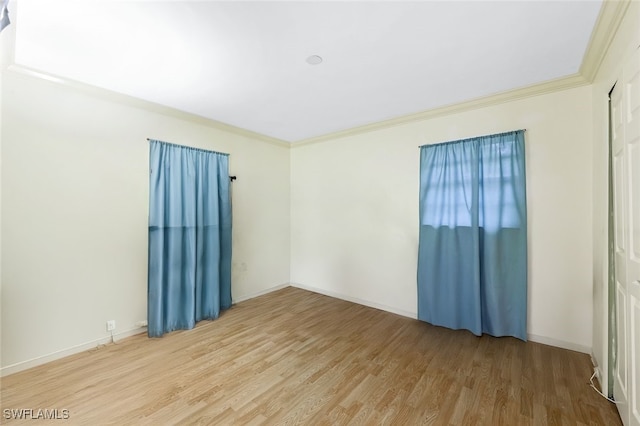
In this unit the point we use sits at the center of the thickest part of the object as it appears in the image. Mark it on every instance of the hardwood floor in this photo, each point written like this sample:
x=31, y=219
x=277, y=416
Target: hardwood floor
x=296, y=357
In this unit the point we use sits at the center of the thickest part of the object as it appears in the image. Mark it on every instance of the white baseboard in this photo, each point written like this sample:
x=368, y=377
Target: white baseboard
x=602, y=373
x=559, y=343
x=532, y=337
x=260, y=293
x=24, y=365
x=357, y=300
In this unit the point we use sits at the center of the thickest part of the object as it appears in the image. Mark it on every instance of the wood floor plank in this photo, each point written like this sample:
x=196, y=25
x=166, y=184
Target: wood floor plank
x=297, y=357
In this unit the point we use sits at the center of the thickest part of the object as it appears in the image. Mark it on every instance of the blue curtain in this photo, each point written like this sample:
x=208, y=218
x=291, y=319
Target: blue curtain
x=472, y=256
x=4, y=15
x=189, y=237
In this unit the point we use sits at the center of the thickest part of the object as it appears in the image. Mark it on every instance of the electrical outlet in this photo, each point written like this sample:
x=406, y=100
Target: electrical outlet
x=111, y=325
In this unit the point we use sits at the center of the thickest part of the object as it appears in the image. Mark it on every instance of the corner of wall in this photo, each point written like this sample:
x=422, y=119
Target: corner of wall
x=604, y=32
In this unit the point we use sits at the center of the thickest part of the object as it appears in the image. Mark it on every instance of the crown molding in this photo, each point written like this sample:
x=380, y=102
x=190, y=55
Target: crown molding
x=611, y=14
x=563, y=83
x=609, y=18
x=554, y=85
x=145, y=105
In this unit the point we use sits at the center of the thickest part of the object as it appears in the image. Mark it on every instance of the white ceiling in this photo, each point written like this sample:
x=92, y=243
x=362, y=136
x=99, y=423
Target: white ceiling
x=243, y=63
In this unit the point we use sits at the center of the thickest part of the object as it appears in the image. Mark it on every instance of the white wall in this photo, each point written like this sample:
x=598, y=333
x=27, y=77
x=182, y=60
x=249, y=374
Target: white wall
x=7, y=41
x=626, y=40
x=354, y=210
x=75, y=209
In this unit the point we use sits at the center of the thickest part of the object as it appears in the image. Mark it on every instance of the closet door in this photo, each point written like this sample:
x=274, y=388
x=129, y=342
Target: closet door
x=620, y=372
x=631, y=99
x=625, y=146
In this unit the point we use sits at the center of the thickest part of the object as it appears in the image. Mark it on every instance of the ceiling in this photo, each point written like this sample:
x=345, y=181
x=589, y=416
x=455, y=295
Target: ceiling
x=243, y=63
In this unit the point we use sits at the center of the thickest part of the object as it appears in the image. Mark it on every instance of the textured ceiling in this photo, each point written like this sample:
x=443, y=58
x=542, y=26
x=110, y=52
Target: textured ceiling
x=243, y=63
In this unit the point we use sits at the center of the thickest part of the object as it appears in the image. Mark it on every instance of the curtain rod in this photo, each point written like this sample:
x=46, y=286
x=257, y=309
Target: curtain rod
x=473, y=137
x=186, y=146
x=231, y=178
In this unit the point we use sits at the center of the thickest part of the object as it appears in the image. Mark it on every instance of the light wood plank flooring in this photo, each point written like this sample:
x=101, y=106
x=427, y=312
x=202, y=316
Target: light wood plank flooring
x=296, y=357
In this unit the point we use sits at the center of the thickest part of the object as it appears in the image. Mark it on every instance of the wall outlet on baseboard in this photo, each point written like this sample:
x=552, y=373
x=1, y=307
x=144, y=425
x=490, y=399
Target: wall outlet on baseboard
x=111, y=325
x=142, y=323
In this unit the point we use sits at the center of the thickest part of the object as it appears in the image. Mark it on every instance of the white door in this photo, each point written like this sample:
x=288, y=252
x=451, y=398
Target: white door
x=631, y=76
x=625, y=133
x=620, y=388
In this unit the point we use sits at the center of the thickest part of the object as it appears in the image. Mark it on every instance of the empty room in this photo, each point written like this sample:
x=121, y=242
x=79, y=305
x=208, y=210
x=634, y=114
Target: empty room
x=300, y=212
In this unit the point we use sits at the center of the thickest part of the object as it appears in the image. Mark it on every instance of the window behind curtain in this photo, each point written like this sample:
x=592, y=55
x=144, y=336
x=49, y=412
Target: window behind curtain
x=449, y=202
x=472, y=254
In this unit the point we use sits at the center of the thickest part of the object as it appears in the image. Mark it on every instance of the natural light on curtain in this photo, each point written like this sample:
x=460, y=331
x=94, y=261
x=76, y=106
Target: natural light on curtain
x=472, y=261
x=189, y=237
x=4, y=15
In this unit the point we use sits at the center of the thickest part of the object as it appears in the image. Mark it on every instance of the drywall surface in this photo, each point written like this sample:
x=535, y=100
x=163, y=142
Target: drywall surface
x=354, y=203
x=75, y=181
